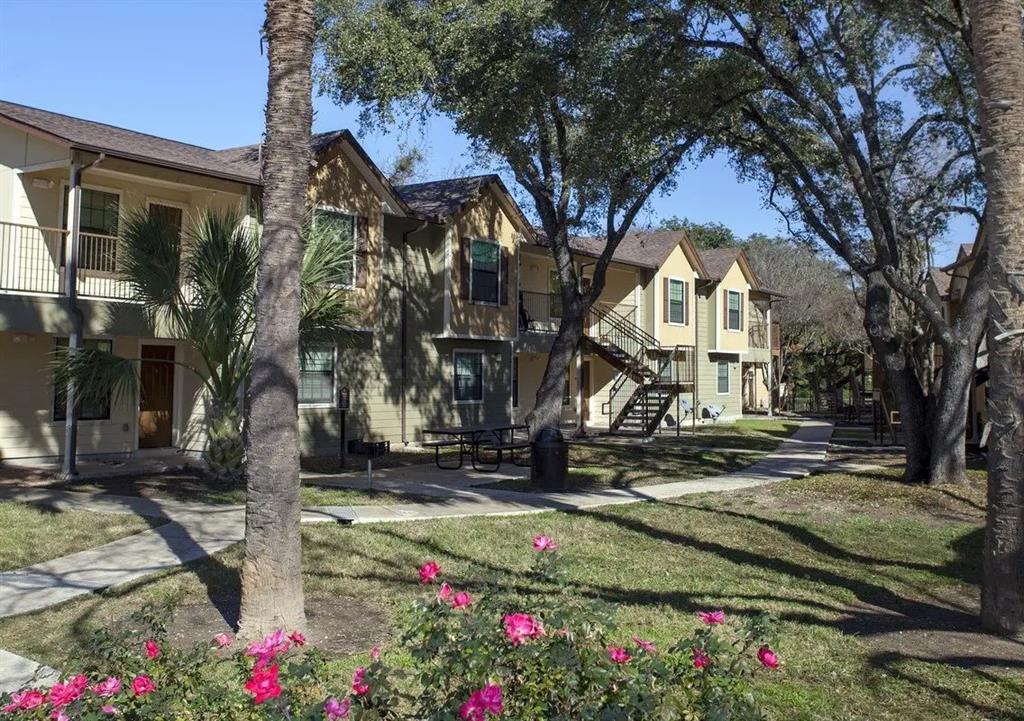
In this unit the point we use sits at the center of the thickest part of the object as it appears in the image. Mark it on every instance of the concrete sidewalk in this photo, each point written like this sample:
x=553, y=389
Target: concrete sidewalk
x=193, y=531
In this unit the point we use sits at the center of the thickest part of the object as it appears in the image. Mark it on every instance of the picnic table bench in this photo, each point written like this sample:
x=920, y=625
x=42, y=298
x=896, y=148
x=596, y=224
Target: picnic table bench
x=469, y=439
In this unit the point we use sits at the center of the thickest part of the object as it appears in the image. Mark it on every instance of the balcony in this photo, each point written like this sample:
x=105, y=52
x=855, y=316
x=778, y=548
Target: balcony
x=542, y=312
x=32, y=262
x=757, y=335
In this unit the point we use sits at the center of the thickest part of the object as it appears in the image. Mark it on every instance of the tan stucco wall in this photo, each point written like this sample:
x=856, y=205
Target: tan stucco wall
x=676, y=266
x=732, y=340
x=483, y=219
x=336, y=182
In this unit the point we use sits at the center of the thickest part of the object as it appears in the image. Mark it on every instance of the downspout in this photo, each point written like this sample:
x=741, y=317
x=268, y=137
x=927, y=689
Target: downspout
x=403, y=323
x=69, y=467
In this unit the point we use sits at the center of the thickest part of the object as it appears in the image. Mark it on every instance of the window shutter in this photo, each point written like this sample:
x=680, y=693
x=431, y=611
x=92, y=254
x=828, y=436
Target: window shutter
x=665, y=304
x=503, y=277
x=465, y=266
x=686, y=302
x=362, y=248
x=725, y=309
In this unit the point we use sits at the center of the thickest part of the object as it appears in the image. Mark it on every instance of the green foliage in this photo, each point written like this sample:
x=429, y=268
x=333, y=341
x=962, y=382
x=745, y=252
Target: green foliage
x=703, y=235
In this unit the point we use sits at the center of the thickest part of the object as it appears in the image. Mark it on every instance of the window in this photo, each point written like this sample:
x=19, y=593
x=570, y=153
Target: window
x=97, y=225
x=734, y=320
x=469, y=377
x=316, y=374
x=723, y=378
x=92, y=411
x=341, y=228
x=485, y=259
x=676, y=301
x=515, y=382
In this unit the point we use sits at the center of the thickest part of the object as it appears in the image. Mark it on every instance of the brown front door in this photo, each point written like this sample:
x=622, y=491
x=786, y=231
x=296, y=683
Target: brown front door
x=155, y=406
x=585, y=386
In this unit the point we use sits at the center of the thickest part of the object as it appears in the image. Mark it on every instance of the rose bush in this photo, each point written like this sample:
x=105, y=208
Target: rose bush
x=472, y=657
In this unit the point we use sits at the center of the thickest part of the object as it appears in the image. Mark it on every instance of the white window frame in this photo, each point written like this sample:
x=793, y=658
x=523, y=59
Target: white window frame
x=334, y=377
x=497, y=244
x=682, y=281
x=718, y=377
x=53, y=383
x=65, y=189
x=483, y=376
x=355, y=240
x=729, y=293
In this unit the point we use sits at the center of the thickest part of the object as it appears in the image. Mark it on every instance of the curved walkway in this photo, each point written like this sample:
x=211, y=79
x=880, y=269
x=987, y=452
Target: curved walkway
x=193, y=530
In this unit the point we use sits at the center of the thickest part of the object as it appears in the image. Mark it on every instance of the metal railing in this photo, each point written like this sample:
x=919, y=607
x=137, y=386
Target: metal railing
x=32, y=261
x=542, y=312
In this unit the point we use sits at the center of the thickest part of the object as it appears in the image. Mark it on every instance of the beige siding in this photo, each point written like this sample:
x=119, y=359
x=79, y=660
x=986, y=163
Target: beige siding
x=484, y=219
x=676, y=267
x=707, y=364
x=732, y=340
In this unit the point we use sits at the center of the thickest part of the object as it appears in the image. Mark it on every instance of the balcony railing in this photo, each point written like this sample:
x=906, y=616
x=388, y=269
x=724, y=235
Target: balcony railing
x=542, y=312
x=757, y=334
x=32, y=261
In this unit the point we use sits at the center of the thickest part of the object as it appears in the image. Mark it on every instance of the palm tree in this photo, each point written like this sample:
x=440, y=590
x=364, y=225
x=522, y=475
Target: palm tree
x=200, y=286
x=997, y=34
x=272, y=595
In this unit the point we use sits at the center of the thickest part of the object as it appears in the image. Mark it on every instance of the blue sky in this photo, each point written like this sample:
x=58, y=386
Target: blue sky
x=192, y=70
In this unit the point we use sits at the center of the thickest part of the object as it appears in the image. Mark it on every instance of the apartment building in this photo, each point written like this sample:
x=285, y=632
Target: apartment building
x=453, y=287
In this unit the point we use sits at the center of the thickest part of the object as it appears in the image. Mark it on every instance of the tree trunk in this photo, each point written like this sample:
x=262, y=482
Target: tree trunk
x=998, y=45
x=900, y=375
x=272, y=595
x=948, y=420
x=548, y=408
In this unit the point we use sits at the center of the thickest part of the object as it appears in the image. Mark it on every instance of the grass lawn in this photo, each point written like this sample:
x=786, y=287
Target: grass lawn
x=614, y=463
x=30, y=534
x=194, y=486
x=866, y=577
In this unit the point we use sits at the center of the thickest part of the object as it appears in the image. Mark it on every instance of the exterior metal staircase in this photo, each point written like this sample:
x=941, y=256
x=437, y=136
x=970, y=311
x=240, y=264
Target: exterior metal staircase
x=650, y=377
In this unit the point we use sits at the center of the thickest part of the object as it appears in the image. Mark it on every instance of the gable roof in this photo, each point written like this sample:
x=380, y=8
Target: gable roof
x=941, y=279
x=441, y=200
x=644, y=249
x=718, y=261
x=96, y=137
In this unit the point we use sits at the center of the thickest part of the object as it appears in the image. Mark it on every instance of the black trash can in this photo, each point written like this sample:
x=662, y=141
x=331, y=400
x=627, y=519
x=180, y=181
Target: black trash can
x=549, y=467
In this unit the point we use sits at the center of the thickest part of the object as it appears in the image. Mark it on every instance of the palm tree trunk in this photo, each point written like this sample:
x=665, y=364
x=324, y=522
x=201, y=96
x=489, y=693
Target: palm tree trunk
x=272, y=595
x=998, y=45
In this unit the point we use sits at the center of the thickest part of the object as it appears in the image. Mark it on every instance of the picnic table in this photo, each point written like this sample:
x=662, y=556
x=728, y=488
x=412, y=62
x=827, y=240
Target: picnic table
x=470, y=439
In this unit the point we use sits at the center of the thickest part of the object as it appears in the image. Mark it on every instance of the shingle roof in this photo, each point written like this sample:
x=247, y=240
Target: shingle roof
x=120, y=142
x=644, y=249
x=942, y=280
x=717, y=261
x=441, y=199
x=248, y=156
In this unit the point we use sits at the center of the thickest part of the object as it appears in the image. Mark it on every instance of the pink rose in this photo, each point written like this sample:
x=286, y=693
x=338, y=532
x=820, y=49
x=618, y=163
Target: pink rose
x=482, y=702
x=61, y=694
x=461, y=600
x=544, y=543
x=429, y=571
x=142, y=684
x=618, y=654
x=223, y=639
x=263, y=684
x=712, y=618
x=108, y=709
x=645, y=645
x=27, y=700
x=297, y=638
x=336, y=709
x=359, y=685
x=107, y=688
x=59, y=715
x=767, y=657
x=522, y=626
x=267, y=649
x=375, y=654
x=700, y=659
x=152, y=650
x=445, y=594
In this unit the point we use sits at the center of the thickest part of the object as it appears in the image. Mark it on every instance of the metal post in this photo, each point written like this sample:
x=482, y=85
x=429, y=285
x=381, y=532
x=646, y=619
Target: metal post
x=771, y=374
x=369, y=471
x=341, y=440
x=68, y=466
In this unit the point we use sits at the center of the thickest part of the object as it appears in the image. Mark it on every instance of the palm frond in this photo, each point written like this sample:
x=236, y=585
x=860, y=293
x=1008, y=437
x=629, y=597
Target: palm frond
x=95, y=374
x=149, y=258
x=328, y=314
